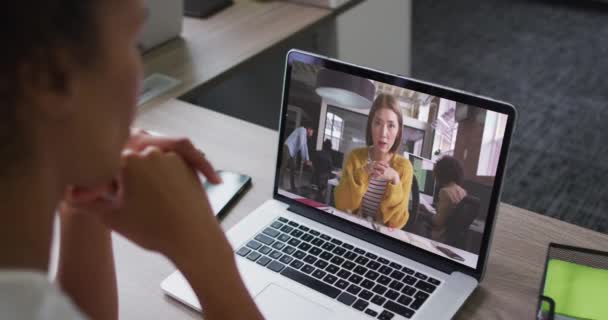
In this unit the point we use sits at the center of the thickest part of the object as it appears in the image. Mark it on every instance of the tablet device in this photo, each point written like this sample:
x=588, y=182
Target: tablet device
x=223, y=195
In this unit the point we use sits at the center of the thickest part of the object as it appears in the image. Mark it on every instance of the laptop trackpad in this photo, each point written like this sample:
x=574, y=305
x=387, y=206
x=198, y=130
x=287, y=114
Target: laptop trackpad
x=277, y=303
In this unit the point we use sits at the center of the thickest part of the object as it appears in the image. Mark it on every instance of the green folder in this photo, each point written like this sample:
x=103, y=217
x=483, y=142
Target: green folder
x=579, y=291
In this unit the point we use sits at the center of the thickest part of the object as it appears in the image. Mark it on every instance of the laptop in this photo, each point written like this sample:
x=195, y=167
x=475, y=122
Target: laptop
x=164, y=22
x=301, y=257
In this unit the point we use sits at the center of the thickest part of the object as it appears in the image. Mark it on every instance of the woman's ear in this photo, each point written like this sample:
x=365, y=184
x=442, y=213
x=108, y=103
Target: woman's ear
x=48, y=84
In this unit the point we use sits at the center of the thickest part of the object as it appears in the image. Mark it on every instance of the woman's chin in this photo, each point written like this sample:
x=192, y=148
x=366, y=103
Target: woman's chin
x=382, y=148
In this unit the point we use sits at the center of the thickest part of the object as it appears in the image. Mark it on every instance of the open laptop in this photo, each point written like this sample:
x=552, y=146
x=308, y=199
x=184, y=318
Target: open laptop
x=303, y=258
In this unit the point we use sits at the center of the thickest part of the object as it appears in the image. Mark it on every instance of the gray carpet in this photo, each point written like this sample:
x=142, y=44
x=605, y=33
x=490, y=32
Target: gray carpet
x=548, y=58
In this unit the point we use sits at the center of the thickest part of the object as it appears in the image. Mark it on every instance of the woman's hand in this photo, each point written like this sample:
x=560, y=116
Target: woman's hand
x=142, y=152
x=138, y=141
x=162, y=205
x=370, y=168
x=381, y=170
x=194, y=157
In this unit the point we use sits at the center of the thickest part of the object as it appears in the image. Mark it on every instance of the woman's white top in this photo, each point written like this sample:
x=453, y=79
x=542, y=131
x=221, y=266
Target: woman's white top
x=27, y=295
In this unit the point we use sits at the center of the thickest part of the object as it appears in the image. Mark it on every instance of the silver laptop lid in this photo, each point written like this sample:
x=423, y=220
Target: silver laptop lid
x=411, y=166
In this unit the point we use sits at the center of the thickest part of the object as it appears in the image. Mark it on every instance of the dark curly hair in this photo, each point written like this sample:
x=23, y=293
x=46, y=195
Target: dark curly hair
x=448, y=169
x=32, y=32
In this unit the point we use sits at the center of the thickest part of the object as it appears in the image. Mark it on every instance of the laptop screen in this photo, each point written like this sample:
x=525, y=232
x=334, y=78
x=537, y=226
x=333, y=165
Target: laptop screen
x=415, y=167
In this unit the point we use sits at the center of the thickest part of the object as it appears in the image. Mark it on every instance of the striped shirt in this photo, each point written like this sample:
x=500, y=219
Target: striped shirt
x=371, y=199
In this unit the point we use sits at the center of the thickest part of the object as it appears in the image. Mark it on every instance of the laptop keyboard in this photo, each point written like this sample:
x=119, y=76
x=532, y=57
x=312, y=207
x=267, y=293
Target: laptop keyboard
x=340, y=270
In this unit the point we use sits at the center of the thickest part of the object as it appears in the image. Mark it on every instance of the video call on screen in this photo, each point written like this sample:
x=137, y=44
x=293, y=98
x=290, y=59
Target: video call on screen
x=429, y=187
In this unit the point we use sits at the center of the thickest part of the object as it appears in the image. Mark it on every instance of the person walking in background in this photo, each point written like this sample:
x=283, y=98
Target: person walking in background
x=296, y=142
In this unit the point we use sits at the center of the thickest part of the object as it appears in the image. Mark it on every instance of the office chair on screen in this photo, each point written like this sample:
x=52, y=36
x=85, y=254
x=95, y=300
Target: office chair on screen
x=322, y=166
x=412, y=223
x=459, y=221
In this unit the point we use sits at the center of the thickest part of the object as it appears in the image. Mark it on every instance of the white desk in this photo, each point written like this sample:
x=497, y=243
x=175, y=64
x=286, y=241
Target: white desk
x=470, y=259
x=331, y=184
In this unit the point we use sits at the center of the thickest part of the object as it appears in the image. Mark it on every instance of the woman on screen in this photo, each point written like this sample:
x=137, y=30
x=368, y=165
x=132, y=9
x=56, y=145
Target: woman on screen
x=449, y=175
x=376, y=180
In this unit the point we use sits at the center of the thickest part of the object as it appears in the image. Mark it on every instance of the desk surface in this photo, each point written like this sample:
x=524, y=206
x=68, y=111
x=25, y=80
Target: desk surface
x=215, y=46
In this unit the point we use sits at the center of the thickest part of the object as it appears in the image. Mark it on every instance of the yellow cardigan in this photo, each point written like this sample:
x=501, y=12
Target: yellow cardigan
x=354, y=182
